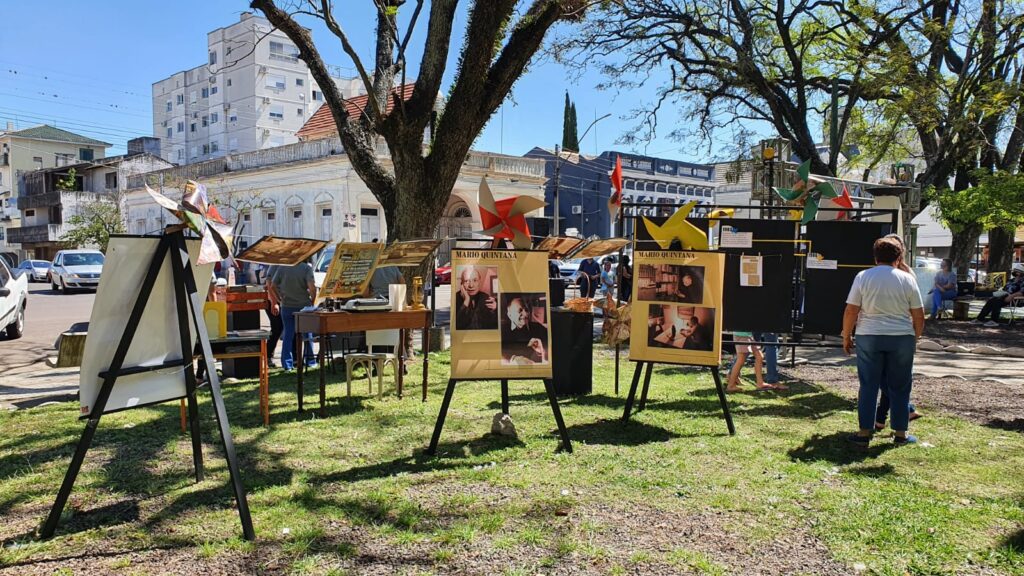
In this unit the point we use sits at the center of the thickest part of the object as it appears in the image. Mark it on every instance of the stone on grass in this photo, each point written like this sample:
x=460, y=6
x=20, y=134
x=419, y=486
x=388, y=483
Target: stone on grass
x=929, y=345
x=988, y=350
x=502, y=425
x=956, y=349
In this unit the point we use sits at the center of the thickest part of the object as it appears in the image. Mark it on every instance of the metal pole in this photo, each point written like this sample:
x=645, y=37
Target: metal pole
x=558, y=165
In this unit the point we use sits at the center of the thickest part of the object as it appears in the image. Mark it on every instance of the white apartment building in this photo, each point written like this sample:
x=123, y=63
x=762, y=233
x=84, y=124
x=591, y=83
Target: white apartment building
x=253, y=92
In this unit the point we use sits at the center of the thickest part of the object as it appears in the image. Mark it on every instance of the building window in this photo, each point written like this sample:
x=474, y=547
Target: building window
x=296, y=231
x=193, y=97
x=214, y=117
x=206, y=149
x=205, y=92
x=326, y=223
x=85, y=154
x=213, y=58
x=299, y=112
x=277, y=112
x=233, y=118
x=276, y=82
x=64, y=159
x=111, y=178
x=181, y=126
x=194, y=153
x=317, y=95
x=192, y=127
x=30, y=213
x=170, y=132
x=269, y=223
x=300, y=81
x=229, y=81
x=213, y=90
x=206, y=121
x=180, y=98
x=168, y=105
x=214, y=147
x=181, y=154
x=283, y=51
x=38, y=160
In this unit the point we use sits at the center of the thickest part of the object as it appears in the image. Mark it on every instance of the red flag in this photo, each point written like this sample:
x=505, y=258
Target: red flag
x=844, y=201
x=615, y=200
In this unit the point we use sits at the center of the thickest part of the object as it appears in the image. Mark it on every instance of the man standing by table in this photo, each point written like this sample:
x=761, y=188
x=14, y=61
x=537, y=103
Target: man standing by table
x=296, y=289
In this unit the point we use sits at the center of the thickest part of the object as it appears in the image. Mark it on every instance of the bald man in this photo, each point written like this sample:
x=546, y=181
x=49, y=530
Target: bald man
x=474, y=309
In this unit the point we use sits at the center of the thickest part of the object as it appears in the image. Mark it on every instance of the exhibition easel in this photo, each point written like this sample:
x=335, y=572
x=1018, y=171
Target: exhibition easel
x=631, y=397
x=549, y=387
x=189, y=310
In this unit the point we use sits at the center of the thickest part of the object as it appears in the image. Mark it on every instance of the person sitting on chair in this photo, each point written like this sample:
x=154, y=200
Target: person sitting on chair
x=994, y=306
x=944, y=287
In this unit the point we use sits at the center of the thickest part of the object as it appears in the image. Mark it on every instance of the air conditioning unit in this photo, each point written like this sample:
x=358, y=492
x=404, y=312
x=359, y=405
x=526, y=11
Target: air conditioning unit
x=302, y=96
x=266, y=99
x=577, y=209
x=263, y=70
x=265, y=133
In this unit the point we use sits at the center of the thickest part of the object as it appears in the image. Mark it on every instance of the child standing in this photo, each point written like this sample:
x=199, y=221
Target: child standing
x=742, y=350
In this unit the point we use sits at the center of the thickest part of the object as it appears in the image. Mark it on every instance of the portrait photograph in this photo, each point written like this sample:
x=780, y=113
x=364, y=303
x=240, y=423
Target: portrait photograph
x=474, y=297
x=680, y=327
x=524, y=329
x=670, y=283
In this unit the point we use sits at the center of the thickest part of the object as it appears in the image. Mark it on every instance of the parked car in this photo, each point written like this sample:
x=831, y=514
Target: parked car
x=443, y=275
x=36, y=270
x=323, y=262
x=569, y=269
x=76, y=269
x=13, y=301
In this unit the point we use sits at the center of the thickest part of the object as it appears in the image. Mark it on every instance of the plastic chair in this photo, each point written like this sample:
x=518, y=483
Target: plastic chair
x=1014, y=303
x=371, y=360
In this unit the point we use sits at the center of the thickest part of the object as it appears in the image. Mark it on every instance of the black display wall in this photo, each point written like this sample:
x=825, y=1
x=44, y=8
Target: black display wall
x=765, y=308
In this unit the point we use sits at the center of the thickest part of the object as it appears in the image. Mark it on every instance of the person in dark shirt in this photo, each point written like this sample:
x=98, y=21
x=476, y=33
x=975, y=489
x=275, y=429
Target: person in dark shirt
x=589, y=277
x=697, y=336
x=522, y=340
x=474, y=310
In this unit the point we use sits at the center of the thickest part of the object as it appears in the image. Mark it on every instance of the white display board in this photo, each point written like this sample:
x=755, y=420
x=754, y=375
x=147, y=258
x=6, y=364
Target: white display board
x=157, y=339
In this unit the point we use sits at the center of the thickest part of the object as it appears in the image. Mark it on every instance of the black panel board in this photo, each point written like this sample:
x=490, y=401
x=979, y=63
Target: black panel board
x=766, y=308
x=850, y=243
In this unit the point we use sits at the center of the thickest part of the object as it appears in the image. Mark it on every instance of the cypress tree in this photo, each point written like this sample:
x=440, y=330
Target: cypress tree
x=574, y=139
x=566, y=124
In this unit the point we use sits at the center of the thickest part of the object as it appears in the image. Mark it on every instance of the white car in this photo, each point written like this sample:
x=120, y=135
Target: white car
x=76, y=269
x=13, y=300
x=36, y=270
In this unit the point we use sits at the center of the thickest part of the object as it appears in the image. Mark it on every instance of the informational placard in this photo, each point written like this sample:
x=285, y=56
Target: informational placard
x=819, y=262
x=733, y=238
x=350, y=270
x=751, y=271
x=558, y=246
x=282, y=251
x=501, y=314
x=409, y=253
x=677, y=316
x=157, y=339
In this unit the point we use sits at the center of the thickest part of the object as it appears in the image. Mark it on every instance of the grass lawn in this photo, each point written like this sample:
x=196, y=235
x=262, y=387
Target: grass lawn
x=668, y=493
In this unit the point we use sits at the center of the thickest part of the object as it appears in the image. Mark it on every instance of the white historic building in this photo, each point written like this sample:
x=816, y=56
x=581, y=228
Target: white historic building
x=253, y=92
x=310, y=190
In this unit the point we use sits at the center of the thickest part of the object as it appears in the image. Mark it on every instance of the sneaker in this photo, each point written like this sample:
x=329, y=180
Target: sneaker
x=908, y=439
x=991, y=324
x=858, y=440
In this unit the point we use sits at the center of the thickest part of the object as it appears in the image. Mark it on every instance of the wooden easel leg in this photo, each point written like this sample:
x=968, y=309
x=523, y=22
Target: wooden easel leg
x=504, y=396
x=722, y=400
x=432, y=449
x=632, y=392
x=179, y=263
x=96, y=410
x=185, y=338
x=647, y=386
x=549, y=385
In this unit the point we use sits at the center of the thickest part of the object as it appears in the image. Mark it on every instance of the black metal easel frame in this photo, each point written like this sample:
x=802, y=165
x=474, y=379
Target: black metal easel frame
x=631, y=397
x=189, y=307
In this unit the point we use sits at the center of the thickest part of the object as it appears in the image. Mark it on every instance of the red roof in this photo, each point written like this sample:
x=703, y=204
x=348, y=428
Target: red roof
x=321, y=123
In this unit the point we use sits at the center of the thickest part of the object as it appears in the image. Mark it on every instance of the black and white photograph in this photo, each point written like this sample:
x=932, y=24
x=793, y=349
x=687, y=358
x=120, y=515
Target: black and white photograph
x=680, y=327
x=670, y=283
x=524, y=330
x=475, y=297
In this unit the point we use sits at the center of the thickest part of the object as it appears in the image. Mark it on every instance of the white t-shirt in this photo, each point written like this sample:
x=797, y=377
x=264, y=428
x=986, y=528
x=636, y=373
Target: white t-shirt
x=885, y=296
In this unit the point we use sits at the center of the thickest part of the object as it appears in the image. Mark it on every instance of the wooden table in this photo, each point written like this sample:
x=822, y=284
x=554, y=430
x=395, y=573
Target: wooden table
x=243, y=344
x=323, y=324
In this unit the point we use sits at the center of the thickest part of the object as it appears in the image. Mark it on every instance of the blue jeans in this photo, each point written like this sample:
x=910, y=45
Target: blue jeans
x=885, y=363
x=288, y=340
x=771, y=356
x=883, y=409
x=938, y=296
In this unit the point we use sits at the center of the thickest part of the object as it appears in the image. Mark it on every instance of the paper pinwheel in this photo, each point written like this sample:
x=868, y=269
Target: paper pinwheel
x=806, y=192
x=507, y=218
x=202, y=217
x=677, y=228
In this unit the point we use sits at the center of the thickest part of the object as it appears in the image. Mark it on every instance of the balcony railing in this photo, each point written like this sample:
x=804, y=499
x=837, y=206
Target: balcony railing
x=33, y=234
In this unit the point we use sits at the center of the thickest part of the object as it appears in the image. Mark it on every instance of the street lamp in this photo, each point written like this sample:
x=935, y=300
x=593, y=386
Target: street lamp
x=558, y=166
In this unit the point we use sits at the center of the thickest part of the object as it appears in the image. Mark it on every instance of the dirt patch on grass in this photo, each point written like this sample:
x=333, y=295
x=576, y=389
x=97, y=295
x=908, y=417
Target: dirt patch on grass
x=971, y=334
x=999, y=405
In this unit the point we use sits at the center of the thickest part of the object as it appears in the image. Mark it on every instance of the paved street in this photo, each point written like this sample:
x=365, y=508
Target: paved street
x=48, y=314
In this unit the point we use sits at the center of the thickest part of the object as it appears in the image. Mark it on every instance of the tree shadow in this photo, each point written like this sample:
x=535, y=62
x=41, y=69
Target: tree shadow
x=1014, y=542
x=835, y=448
x=617, y=433
x=1015, y=425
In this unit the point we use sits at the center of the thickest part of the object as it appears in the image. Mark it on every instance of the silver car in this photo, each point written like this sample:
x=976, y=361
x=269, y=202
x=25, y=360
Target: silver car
x=36, y=270
x=76, y=269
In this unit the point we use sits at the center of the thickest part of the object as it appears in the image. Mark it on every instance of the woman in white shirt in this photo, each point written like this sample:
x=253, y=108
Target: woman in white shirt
x=885, y=309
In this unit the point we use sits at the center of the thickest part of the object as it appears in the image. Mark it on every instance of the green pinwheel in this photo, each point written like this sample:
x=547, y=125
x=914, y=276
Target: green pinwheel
x=806, y=192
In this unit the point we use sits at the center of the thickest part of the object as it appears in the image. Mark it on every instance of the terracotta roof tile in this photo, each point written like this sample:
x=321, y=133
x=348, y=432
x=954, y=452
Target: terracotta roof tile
x=321, y=123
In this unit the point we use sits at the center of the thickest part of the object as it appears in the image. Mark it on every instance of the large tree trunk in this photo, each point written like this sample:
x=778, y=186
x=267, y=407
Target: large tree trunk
x=1000, y=249
x=961, y=251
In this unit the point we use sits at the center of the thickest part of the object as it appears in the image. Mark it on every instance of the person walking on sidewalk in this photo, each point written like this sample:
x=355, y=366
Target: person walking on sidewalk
x=297, y=290
x=884, y=307
x=273, y=310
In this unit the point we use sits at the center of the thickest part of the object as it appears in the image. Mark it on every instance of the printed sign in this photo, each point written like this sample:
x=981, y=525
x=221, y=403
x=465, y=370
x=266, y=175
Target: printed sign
x=349, y=273
x=501, y=318
x=751, y=271
x=733, y=238
x=677, y=307
x=817, y=262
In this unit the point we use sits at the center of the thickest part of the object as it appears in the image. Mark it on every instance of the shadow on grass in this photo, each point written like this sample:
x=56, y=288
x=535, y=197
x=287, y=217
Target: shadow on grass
x=615, y=432
x=835, y=448
x=1015, y=425
x=1015, y=542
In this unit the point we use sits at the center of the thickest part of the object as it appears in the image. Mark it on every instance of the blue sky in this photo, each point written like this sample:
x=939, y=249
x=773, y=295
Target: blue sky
x=88, y=67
